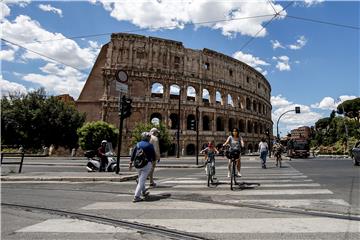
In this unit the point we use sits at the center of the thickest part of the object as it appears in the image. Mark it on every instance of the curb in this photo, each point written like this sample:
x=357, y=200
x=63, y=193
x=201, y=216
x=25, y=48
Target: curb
x=70, y=179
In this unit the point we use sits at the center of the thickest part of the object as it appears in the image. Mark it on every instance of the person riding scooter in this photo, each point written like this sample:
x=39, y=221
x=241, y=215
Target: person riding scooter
x=101, y=153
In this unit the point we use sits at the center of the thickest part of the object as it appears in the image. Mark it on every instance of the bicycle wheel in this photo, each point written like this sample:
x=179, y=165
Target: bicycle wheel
x=208, y=174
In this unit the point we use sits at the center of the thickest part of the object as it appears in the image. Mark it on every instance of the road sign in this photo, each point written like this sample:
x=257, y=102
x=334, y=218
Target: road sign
x=122, y=87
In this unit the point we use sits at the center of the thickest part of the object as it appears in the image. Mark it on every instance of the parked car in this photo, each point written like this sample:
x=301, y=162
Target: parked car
x=355, y=152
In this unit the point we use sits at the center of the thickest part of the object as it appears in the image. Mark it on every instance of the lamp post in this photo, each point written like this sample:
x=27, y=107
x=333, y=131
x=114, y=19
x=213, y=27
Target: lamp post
x=197, y=135
x=296, y=110
x=178, y=128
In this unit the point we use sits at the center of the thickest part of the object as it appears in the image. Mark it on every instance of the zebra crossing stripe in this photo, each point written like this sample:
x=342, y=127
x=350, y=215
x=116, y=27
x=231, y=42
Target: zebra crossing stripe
x=73, y=226
x=256, y=225
x=262, y=185
x=249, y=193
x=288, y=203
x=161, y=205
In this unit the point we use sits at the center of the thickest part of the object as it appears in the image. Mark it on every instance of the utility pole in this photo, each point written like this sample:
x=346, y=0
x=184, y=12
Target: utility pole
x=197, y=135
x=178, y=128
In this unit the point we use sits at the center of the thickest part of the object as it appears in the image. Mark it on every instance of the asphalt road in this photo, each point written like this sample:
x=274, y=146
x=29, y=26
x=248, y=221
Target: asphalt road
x=307, y=199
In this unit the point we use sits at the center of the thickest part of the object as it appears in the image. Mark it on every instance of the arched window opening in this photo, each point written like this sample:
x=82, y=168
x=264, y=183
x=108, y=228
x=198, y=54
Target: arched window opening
x=190, y=149
x=191, y=122
x=255, y=128
x=157, y=90
x=248, y=104
x=249, y=127
x=241, y=126
x=231, y=124
x=155, y=118
x=173, y=121
x=218, y=98
x=254, y=106
x=191, y=94
x=230, y=100
x=172, y=150
x=174, y=91
x=219, y=124
x=206, y=123
x=205, y=96
x=250, y=148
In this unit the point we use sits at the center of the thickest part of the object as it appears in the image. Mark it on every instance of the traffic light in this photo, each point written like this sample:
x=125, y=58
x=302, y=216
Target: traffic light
x=297, y=109
x=125, y=107
x=192, y=124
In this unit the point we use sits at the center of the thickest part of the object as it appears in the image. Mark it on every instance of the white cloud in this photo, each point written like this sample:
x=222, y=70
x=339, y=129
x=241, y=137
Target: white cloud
x=4, y=10
x=174, y=14
x=276, y=44
x=8, y=87
x=300, y=43
x=291, y=120
x=329, y=103
x=251, y=60
x=49, y=8
x=25, y=30
x=282, y=63
x=310, y=3
x=58, y=79
x=7, y=55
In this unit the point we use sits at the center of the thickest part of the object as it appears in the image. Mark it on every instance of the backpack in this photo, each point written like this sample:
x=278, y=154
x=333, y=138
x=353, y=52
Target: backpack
x=140, y=159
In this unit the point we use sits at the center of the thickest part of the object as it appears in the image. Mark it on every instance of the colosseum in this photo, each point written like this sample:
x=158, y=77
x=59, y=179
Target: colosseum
x=176, y=86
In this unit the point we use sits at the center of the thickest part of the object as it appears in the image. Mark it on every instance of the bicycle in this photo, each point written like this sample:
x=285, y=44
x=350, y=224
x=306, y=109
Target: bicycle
x=210, y=168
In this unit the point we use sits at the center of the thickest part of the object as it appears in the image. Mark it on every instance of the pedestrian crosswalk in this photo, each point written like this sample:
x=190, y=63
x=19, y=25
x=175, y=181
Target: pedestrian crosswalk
x=177, y=203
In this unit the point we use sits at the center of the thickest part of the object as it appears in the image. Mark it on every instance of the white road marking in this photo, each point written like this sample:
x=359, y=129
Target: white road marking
x=257, y=225
x=288, y=203
x=73, y=226
x=262, y=185
x=160, y=205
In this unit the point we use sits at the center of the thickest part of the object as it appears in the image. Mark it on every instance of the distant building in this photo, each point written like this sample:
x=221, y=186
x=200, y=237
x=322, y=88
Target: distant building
x=66, y=98
x=301, y=132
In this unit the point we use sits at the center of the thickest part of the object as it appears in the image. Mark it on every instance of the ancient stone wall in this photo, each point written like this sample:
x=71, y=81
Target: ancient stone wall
x=227, y=93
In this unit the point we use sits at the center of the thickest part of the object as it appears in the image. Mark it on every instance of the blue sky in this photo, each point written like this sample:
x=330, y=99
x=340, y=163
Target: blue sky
x=308, y=64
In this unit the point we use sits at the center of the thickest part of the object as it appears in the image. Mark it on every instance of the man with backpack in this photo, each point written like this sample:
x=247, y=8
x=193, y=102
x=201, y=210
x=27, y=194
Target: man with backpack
x=142, y=158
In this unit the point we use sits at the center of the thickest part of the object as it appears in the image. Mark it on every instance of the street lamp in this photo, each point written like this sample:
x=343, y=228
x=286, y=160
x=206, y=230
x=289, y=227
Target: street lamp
x=296, y=110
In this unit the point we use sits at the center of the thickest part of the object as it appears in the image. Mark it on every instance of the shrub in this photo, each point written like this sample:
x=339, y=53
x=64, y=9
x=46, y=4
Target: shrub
x=92, y=133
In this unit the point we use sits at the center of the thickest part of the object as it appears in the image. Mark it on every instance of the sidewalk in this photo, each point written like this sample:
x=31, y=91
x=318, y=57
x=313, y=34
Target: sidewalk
x=79, y=173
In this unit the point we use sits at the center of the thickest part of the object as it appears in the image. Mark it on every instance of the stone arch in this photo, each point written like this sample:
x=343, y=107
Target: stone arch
x=219, y=124
x=256, y=128
x=241, y=125
x=173, y=121
x=172, y=150
x=155, y=116
x=190, y=149
x=174, y=91
x=248, y=104
x=206, y=123
x=254, y=107
x=157, y=90
x=242, y=102
x=250, y=148
x=231, y=124
x=191, y=94
x=230, y=100
x=218, y=98
x=249, y=126
x=205, y=96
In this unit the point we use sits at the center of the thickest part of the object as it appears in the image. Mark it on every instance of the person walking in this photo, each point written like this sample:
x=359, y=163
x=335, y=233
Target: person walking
x=263, y=149
x=278, y=149
x=154, y=140
x=143, y=172
x=236, y=143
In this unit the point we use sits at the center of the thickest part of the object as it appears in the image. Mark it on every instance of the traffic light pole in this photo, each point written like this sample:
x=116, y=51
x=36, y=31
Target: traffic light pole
x=178, y=129
x=120, y=136
x=297, y=110
x=197, y=135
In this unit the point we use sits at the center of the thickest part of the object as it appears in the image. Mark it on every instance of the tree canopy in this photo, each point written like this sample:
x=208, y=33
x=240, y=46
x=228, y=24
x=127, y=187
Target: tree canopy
x=351, y=108
x=34, y=120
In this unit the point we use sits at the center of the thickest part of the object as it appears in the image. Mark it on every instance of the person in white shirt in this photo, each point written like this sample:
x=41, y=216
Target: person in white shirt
x=154, y=140
x=263, y=149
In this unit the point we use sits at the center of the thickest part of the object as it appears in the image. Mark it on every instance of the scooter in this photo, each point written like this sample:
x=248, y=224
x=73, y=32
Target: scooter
x=93, y=164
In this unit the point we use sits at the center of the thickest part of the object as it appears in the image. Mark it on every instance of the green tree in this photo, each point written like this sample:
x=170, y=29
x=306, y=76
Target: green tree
x=34, y=120
x=164, y=135
x=351, y=108
x=92, y=133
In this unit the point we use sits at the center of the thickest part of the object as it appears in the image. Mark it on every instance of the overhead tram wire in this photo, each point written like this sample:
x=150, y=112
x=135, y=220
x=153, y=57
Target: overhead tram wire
x=43, y=55
x=152, y=29
x=323, y=22
x=274, y=16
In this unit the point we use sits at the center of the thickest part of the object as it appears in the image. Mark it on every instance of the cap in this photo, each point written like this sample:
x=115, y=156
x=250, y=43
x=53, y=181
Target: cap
x=154, y=130
x=145, y=135
x=103, y=141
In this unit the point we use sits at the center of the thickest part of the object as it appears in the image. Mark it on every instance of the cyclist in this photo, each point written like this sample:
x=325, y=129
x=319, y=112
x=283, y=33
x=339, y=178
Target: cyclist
x=209, y=151
x=235, y=142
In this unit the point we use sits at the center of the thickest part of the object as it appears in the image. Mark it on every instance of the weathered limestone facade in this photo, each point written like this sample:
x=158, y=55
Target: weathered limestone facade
x=227, y=92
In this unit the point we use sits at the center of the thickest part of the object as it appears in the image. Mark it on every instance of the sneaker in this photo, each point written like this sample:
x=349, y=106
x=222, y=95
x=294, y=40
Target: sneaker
x=153, y=184
x=145, y=193
x=238, y=174
x=137, y=199
x=228, y=174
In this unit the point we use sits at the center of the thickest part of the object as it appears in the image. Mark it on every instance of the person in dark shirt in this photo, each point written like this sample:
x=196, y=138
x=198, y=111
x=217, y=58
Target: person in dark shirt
x=101, y=153
x=143, y=172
